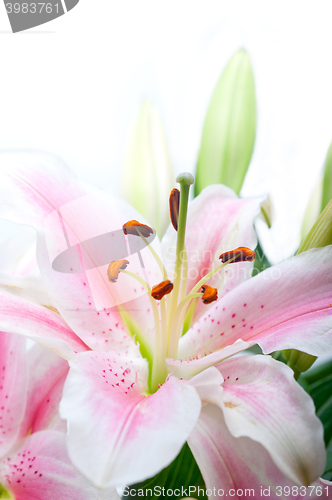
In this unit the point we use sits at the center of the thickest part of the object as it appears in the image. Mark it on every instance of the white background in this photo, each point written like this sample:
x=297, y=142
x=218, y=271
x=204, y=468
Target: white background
x=72, y=87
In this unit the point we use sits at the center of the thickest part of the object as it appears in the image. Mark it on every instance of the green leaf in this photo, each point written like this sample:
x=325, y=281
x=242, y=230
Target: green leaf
x=179, y=475
x=229, y=129
x=319, y=380
x=328, y=468
x=327, y=180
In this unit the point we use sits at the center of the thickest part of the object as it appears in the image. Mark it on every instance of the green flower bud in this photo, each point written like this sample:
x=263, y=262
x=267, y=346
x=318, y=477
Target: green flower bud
x=327, y=180
x=320, y=235
x=229, y=129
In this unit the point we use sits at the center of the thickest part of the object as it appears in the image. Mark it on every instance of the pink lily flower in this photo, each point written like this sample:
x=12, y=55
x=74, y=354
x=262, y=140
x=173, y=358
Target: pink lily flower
x=34, y=462
x=137, y=389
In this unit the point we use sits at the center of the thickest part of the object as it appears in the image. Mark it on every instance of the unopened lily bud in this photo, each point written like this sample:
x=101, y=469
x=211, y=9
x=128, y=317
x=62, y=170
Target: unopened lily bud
x=320, y=235
x=313, y=210
x=229, y=128
x=147, y=174
x=327, y=180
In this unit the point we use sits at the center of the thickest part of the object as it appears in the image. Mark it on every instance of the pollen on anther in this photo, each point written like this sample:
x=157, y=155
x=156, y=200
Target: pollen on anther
x=240, y=254
x=210, y=294
x=174, y=204
x=133, y=226
x=114, y=269
x=163, y=288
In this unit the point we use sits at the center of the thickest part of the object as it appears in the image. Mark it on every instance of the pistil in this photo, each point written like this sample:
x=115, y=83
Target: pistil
x=185, y=180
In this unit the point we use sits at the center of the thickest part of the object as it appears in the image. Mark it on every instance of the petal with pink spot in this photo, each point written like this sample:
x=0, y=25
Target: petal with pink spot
x=286, y=306
x=40, y=467
x=13, y=386
x=118, y=434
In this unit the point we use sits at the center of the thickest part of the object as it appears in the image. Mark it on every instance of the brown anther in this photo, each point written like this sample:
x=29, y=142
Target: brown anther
x=174, y=205
x=158, y=291
x=114, y=269
x=209, y=294
x=240, y=254
x=131, y=227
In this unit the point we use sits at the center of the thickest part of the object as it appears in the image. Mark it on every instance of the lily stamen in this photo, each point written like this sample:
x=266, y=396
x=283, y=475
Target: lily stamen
x=133, y=226
x=174, y=206
x=240, y=254
x=163, y=288
x=114, y=269
x=210, y=294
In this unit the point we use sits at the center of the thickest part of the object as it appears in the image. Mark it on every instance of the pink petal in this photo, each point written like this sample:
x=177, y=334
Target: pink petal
x=40, y=469
x=28, y=287
x=33, y=184
x=38, y=323
x=13, y=377
x=34, y=188
x=79, y=284
x=218, y=221
x=117, y=433
x=262, y=400
x=188, y=368
x=286, y=306
x=239, y=467
x=47, y=375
